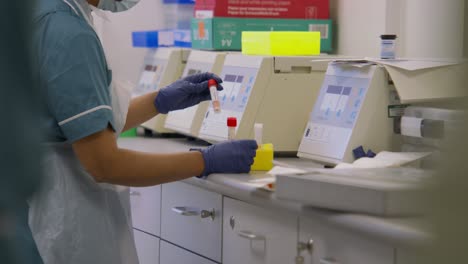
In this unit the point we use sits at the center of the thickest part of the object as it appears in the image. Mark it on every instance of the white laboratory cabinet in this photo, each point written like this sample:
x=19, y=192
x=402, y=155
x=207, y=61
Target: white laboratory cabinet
x=171, y=254
x=147, y=247
x=210, y=221
x=201, y=226
x=327, y=244
x=146, y=209
x=257, y=236
x=192, y=218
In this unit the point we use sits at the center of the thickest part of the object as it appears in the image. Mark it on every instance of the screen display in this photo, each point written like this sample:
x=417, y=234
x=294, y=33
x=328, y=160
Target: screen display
x=238, y=83
x=339, y=101
x=336, y=111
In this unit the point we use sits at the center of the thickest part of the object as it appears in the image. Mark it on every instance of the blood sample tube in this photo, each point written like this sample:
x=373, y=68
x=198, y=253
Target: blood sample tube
x=232, y=124
x=213, y=86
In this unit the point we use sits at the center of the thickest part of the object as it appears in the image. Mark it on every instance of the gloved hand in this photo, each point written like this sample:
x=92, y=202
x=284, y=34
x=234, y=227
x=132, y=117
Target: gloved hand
x=234, y=156
x=185, y=92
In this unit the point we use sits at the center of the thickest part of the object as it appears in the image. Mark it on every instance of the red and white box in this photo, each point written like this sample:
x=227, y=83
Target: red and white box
x=289, y=9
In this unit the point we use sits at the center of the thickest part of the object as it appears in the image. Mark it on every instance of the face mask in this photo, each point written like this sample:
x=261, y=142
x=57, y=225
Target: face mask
x=100, y=13
x=116, y=5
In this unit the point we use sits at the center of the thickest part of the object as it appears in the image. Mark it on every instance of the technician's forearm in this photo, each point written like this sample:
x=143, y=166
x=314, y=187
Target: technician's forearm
x=100, y=155
x=141, y=110
x=130, y=168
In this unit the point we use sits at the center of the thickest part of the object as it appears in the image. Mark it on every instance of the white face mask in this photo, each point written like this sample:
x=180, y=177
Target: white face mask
x=116, y=5
x=100, y=13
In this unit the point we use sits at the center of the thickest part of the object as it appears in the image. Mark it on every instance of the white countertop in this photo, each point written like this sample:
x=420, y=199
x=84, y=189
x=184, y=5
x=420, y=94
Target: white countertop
x=395, y=231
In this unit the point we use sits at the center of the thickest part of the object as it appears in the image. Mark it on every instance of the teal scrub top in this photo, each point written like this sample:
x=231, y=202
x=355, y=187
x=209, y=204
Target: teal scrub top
x=73, y=73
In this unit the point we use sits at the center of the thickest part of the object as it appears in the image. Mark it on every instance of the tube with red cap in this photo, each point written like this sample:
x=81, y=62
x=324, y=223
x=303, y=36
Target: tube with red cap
x=213, y=86
x=232, y=124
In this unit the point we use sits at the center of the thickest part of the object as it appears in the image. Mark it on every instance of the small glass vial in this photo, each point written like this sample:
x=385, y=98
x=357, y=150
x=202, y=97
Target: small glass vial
x=213, y=86
x=388, y=47
x=231, y=124
x=258, y=134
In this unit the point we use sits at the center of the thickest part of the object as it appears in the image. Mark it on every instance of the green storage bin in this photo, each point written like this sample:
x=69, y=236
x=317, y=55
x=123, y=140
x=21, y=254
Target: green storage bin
x=129, y=133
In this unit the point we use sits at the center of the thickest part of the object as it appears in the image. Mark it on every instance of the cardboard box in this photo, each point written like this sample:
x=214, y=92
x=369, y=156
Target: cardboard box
x=287, y=9
x=226, y=33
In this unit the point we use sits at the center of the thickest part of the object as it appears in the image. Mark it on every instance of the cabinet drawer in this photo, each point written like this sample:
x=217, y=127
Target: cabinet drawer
x=191, y=218
x=333, y=245
x=171, y=254
x=147, y=247
x=256, y=235
x=146, y=209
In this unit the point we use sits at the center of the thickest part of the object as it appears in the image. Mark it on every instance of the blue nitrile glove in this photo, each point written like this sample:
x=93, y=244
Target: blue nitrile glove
x=185, y=92
x=235, y=156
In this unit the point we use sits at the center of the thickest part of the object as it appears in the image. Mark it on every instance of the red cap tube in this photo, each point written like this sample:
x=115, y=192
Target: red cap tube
x=232, y=122
x=212, y=82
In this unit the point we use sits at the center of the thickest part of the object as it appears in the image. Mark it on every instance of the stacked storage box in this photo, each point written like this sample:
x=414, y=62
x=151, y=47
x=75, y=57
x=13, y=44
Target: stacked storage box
x=177, y=14
x=177, y=19
x=218, y=24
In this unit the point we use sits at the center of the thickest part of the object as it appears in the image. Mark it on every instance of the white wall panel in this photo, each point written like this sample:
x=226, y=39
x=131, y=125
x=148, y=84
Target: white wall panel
x=433, y=28
x=425, y=28
x=116, y=36
x=359, y=23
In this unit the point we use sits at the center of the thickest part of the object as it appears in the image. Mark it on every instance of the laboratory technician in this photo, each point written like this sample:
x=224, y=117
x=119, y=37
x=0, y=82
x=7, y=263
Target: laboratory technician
x=80, y=215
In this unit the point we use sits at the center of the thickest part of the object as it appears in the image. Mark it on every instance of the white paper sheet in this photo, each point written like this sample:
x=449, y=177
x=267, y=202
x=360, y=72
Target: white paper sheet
x=385, y=159
x=404, y=63
x=414, y=64
x=285, y=170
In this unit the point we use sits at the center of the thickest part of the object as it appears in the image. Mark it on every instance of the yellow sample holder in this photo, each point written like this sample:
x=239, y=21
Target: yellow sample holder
x=292, y=43
x=264, y=159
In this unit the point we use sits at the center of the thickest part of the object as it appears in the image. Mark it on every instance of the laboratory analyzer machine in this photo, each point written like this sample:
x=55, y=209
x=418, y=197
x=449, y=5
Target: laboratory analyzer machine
x=278, y=92
x=362, y=103
x=162, y=67
x=350, y=111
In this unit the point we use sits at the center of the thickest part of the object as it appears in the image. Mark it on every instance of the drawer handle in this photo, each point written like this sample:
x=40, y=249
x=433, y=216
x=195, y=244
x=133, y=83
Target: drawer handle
x=185, y=211
x=302, y=246
x=250, y=236
x=206, y=214
x=328, y=261
x=135, y=193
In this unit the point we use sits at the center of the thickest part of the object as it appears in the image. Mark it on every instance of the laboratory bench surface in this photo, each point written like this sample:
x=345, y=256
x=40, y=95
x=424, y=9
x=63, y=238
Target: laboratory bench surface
x=406, y=232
